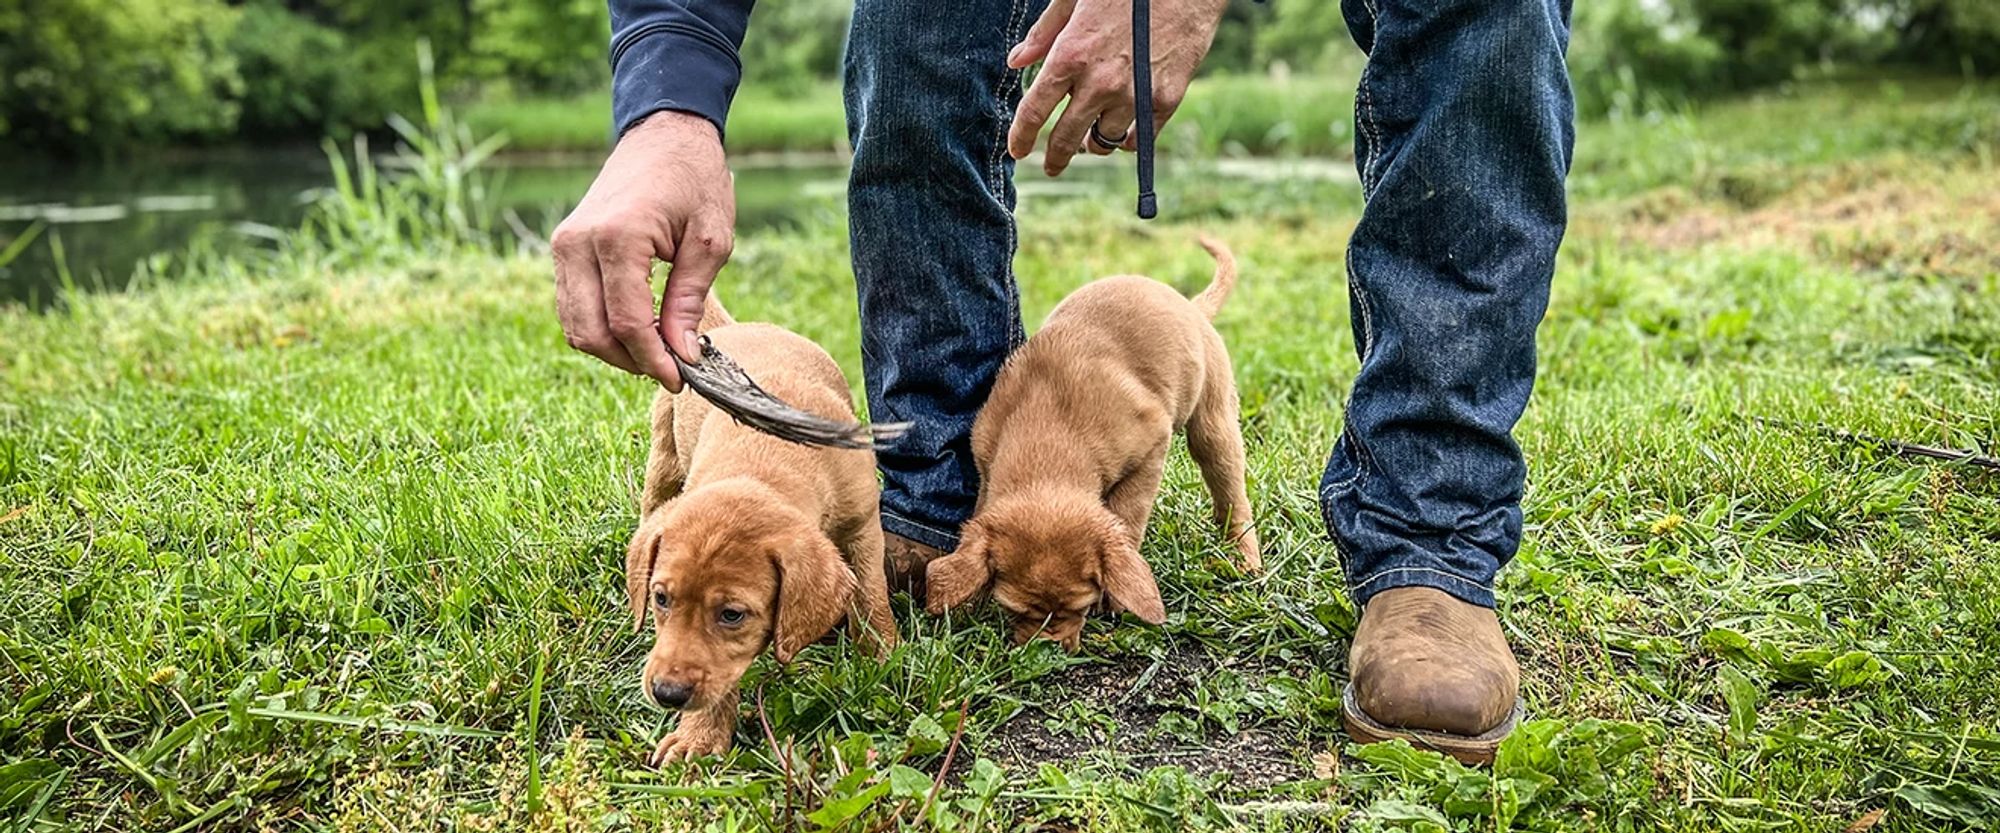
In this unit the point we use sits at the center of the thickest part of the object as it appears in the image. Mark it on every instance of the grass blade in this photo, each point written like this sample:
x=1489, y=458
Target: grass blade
x=21, y=243
x=535, y=733
x=386, y=724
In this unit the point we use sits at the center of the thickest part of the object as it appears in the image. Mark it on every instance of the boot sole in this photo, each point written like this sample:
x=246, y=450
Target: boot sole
x=1477, y=750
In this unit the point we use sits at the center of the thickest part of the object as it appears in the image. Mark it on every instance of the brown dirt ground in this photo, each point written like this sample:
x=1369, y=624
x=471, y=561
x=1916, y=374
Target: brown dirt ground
x=1918, y=220
x=1253, y=758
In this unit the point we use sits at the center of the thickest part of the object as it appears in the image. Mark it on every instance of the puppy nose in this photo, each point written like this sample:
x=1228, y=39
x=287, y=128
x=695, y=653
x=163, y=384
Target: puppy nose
x=671, y=695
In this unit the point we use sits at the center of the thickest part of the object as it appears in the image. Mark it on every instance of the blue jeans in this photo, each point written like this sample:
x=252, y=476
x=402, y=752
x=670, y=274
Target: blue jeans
x=1463, y=141
x=931, y=219
x=1463, y=131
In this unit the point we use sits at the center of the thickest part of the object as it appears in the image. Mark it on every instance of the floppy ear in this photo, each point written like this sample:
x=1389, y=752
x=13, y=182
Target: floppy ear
x=955, y=579
x=1126, y=577
x=640, y=557
x=815, y=591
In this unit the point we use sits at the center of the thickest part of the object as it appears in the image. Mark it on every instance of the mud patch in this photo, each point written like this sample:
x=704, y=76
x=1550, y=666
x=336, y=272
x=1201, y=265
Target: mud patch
x=1137, y=711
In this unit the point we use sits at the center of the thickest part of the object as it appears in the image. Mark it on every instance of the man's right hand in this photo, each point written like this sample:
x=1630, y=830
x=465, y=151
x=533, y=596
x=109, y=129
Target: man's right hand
x=666, y=193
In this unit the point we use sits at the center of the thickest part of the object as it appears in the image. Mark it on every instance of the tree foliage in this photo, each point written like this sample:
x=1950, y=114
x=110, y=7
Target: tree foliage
x=82, y=68
x=79, y=74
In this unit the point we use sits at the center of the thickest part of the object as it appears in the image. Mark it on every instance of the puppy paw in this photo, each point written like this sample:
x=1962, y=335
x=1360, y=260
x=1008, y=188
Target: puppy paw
x=686, y=744
x=1250, y=553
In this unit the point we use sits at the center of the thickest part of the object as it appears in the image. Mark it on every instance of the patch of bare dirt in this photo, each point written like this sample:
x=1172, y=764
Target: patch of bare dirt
x=1924, y=221
x=1149, y=725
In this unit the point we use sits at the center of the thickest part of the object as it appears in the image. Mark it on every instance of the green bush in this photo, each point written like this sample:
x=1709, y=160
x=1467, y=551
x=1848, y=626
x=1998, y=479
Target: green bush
x=299, y=75
x=1305, y=34
x=1636, y=54
x=1953, y=35
x=98, y=71
x=542, y=46
x=792, y=43
x=1626, y=56
x=80, y=75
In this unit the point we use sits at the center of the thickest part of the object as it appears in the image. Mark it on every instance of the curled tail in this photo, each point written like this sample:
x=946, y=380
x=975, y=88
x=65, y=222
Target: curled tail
x=713, y=314
x=1210, y=300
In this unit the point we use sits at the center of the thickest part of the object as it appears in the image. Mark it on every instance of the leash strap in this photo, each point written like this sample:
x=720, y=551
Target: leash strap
x=1142, y=102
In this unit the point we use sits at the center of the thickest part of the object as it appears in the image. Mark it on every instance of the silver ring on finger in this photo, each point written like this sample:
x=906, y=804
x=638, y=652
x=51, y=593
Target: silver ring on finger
x=1108, y=142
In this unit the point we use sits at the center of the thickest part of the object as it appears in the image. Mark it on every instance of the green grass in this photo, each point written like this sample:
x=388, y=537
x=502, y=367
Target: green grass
x=331, y=539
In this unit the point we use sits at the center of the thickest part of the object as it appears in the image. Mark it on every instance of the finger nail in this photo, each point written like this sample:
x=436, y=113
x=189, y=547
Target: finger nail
x=1015, y=53
x=693, y=342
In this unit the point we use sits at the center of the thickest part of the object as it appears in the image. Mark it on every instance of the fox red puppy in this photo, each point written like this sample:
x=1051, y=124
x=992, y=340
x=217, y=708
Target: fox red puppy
x=746, y=541
x=1071, y=447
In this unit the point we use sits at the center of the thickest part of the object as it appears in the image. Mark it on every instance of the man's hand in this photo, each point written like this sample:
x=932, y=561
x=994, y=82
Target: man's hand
x=666, y=193
x=1088, y=47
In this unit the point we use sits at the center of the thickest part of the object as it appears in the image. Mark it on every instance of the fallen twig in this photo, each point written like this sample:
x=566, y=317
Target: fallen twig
x=784, y=760
x=1901, y=448
x=950, y=752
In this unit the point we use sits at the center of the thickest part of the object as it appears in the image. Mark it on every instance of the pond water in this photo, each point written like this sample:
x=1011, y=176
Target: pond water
x=97, y=223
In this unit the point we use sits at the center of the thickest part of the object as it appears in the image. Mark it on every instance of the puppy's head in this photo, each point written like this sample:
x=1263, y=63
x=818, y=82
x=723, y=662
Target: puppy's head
x=725, y=571
x=1046, y=561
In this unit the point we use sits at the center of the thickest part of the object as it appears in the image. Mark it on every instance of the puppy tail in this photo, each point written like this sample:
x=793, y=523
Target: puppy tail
x=713, y=314
x=1210, y=300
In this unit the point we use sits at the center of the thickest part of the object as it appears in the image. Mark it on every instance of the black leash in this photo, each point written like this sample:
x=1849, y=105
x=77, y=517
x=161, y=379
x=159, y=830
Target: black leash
x=1142, y=102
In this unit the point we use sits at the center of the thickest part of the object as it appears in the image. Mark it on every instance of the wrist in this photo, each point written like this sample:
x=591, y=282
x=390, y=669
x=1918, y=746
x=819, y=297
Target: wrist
x=677, y=123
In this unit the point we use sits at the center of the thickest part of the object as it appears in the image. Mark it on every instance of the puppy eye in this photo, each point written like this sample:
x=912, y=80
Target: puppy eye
x=660, y=599
x=731, y=616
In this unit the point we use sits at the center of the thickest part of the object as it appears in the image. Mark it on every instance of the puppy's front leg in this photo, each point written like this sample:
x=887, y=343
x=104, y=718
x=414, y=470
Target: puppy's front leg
x=1132, y=499
x=875, y=627
x=708, y=731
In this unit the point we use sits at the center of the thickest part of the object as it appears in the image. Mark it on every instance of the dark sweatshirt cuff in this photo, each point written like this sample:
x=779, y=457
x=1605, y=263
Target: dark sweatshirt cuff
x=672, y=67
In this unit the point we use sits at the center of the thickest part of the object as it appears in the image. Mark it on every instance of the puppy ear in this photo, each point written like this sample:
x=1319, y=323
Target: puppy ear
x=1127, y=578
x=640, y=558
x=953, y=580
x=815, y=591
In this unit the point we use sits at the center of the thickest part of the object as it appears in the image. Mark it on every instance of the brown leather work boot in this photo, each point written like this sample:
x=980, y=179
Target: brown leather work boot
x=904, y=560
x=1434, y=671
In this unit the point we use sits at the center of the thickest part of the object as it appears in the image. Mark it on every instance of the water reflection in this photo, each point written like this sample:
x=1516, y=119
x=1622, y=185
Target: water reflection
x=93, y=225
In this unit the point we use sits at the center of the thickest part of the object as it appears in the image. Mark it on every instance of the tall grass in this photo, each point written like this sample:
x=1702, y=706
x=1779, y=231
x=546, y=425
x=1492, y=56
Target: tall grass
x=434, y=199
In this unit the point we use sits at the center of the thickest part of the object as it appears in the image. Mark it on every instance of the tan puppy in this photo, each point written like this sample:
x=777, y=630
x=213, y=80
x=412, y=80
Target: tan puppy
x=1071, y=447
x=745, y=540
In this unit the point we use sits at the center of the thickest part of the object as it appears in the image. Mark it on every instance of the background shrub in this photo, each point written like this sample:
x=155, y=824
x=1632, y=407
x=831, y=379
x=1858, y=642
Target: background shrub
x=89, y=71
x=88, y=75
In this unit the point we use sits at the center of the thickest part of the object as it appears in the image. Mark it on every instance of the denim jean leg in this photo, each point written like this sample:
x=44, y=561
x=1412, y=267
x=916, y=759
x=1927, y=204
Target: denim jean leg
x=931, y=221
x=1464, y=127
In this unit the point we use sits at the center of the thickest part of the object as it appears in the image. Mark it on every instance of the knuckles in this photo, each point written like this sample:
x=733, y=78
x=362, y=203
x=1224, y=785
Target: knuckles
x=572, y=238
x=629, y=329
x=712, y=244
x=588, y=343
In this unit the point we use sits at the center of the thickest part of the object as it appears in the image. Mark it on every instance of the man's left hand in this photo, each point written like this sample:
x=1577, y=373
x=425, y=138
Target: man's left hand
x=1087, y=45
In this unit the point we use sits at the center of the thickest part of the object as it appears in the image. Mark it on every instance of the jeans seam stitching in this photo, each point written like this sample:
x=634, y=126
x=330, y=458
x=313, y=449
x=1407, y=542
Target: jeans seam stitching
x=1017, y=11
x=902, y=518
x=1008, y=78
x=1360, y=463
x=1367, y=346
x=1369, y=121
x=1365, y=116
x=1379, y=574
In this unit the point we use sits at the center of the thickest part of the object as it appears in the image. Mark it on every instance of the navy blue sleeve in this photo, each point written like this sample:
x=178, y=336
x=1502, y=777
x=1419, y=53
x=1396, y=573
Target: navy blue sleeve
x=675, y=55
